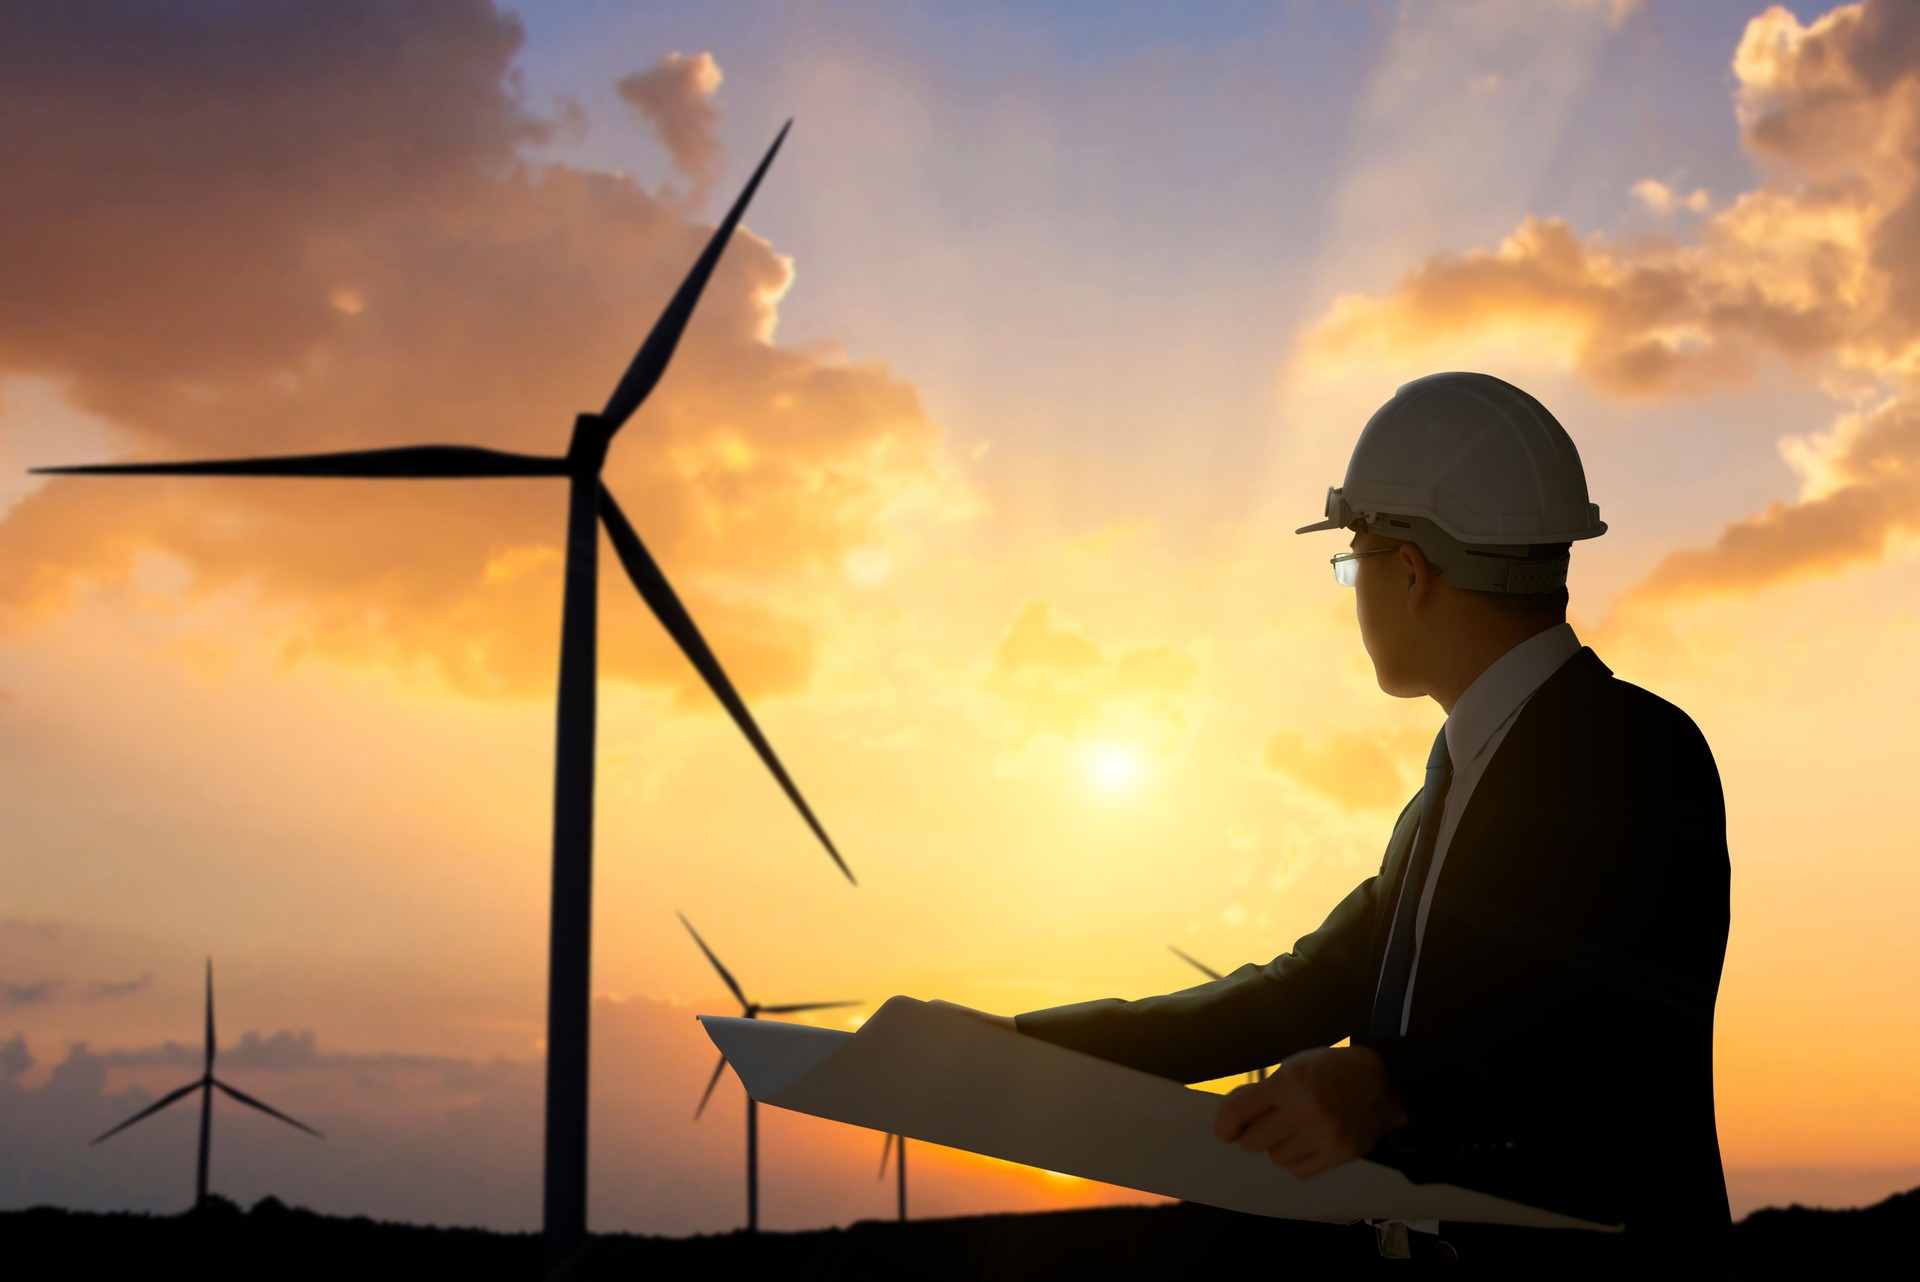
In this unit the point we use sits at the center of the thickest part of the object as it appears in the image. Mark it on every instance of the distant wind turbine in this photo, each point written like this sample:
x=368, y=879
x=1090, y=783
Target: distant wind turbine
x=752, y=1010
x=1253, y=1075
x=207, y=1084
x=590, y=505
x=899, y=1167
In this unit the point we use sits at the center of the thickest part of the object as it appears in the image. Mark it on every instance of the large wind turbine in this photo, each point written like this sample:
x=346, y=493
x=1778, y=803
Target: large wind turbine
x=1253, y=1074
x=207, y=1084
x=590, y=505
x=752, y=1010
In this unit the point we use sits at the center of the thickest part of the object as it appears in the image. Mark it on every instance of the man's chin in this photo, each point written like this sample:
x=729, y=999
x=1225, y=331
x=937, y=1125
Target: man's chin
x=1399, y=688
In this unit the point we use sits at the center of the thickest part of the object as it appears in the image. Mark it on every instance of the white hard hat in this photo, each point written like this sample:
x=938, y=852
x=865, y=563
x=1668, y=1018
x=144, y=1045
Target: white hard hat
x=1477, y=473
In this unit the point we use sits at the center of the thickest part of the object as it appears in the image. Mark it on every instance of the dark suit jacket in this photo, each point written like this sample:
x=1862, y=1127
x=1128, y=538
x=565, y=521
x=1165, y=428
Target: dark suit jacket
x=1559, y=1049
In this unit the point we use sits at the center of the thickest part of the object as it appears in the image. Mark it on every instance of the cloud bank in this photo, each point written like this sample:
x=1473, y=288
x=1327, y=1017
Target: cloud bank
x=1818, y=266
x=302, y=225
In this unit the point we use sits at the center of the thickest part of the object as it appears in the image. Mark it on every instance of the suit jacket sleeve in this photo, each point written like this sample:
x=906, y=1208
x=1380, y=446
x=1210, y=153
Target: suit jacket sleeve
x=1258, y=1015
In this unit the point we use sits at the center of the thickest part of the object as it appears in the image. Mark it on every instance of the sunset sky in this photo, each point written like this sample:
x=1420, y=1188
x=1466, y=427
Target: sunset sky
x=979, y=466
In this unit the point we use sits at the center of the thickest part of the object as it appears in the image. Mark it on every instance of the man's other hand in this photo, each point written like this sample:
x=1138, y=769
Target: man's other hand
x=998, y=1021
x=1319, y=1109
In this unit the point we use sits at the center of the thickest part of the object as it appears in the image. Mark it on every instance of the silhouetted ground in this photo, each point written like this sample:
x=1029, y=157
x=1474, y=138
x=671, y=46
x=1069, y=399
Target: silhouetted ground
x=274, y=1241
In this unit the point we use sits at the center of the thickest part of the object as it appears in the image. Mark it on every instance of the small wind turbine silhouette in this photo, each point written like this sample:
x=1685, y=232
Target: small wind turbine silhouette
x=899, y=1167
x=1253, y=1075
x=207, y=1084
x=752, y=1010
x=590, y=504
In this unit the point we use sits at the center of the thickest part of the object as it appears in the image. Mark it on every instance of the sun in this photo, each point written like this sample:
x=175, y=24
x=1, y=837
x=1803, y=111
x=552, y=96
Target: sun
x=1113, y=767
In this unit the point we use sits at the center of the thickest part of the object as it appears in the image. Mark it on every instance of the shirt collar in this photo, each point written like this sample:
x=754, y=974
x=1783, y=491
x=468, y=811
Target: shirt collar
x=1497, y=693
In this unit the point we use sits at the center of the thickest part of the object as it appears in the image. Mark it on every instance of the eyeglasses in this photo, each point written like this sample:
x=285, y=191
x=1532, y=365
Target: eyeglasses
x=1344, y=568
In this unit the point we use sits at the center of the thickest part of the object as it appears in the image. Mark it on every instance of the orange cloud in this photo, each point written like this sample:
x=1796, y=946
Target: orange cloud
x=1863, y=489
x=1355, y=769
x=1664, y=200
x=1775, y=277
x=268, y=242
x=675, y=95
x=1051, y=680
x=1820, y=264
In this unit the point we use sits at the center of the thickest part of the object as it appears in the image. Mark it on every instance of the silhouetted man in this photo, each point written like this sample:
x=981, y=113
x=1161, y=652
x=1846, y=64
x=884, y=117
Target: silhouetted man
x=1528, y=983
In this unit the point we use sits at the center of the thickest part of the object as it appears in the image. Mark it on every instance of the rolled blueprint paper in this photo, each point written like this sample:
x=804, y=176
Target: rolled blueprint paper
x=943, y=1076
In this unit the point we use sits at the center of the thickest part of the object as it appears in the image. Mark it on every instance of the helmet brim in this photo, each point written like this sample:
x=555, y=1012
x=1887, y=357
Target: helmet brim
x=1339, y=516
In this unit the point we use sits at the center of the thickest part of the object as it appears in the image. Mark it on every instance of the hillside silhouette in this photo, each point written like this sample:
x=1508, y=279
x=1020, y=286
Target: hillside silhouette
x=273, y=1240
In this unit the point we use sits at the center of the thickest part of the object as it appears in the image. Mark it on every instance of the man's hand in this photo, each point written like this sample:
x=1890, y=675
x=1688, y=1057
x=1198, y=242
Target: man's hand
x=1319, y=1109
x=998, y=1021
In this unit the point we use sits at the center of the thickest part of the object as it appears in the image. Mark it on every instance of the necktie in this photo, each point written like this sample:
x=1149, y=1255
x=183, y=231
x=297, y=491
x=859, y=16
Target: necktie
x=1396, y=968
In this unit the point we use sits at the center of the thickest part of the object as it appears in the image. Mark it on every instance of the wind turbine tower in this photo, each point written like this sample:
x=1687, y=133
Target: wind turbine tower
x=899, y=1168
x=207, y=1084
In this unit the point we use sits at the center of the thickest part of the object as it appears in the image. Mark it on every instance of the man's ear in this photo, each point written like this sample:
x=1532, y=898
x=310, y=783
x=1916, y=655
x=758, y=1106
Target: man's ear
x=1420, y=578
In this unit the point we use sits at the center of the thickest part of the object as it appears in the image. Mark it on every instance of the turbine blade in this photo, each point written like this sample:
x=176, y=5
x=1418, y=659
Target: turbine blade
x=886, y=1150
x=407, y=462
x=251, y=1102
x=794, y=1010
x=665, y=604
x=1204, y=969
x=155, y=1107
x=210, y=1042
x=732, y=984
x=650, y=362
x=711, y=1083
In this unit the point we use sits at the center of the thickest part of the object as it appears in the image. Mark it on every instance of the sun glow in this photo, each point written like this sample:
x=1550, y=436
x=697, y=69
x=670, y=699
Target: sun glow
x=1113, y=767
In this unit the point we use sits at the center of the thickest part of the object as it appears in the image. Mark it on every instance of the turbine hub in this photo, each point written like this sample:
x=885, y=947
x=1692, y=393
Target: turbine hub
x=588, y=451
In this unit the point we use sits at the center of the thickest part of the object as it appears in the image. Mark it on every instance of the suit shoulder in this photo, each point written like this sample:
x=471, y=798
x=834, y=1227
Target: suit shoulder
x=1617, y=753
x=1652, y=739
x=1647, y=713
